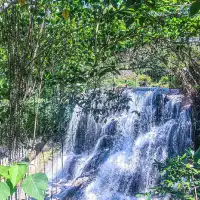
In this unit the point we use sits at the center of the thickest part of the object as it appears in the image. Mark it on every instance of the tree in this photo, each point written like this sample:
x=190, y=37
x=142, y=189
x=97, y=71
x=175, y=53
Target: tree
x=53, y=51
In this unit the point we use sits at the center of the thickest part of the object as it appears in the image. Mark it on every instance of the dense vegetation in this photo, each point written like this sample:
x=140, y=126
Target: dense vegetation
x=180, y=176
x=53, y=51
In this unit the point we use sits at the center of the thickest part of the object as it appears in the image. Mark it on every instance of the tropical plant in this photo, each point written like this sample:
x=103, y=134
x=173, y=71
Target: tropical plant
x=180, y=177
x=14, y=176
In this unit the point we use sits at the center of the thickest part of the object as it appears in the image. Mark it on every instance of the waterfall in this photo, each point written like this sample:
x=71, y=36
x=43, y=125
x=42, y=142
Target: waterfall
x=114, y=159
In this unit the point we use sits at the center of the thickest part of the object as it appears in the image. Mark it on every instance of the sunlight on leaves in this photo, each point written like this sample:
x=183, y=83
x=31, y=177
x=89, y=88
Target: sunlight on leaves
x=65, y=14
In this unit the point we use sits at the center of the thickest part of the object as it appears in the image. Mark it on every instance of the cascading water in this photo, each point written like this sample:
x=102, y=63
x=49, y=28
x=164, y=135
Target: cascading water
x=114, y=160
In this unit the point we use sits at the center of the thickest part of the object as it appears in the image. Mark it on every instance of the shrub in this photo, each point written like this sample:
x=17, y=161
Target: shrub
x=164, y=81
x=144, y=80
x=180, y=177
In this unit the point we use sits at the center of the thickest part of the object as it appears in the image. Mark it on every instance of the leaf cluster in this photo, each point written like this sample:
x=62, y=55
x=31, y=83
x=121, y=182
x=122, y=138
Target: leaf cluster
x=14, y=176
x=180, y=177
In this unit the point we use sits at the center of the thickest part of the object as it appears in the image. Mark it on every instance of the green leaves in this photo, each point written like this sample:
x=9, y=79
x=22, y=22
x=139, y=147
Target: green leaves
x=12, y=189
x=114, y=3
x=195, y=7
x=36, y=185
x=4, y=171
x=180, y=176
x=13, y=174
x=4, y=191
x=197, y=155
x=17, y=172
x=107, y=70
x=133, y=3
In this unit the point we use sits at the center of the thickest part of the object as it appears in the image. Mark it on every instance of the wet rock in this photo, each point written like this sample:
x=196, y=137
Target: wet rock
x=76, y=189
x=136, y=127
x=136, y=112
x=111, y=128
x=158, y=103
x=166, y=99
x=71, y=168
x=174, y=91
x=176, y=110
x=171, y=148
x=100, y=156
x=79, y=181
x=105, y=143
x=79, y=142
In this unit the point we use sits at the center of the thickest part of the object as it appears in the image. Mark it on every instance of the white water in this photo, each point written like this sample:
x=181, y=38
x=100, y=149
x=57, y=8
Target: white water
x=115, y=160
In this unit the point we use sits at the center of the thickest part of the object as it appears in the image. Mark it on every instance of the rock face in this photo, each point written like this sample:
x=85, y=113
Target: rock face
x=102, y=151
x=114, y=160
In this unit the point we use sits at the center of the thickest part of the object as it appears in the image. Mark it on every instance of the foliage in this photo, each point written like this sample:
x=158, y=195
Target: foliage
x=101, y=103
x=125, y=79
x=35, y=185
x=52, y=52
x=164, y=81
x=195, y=7
x=14, y=176
x=144, y=80
x=180, y=177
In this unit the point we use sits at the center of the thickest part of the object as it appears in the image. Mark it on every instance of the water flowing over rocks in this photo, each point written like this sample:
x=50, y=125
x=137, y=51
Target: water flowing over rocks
x=114, y=159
